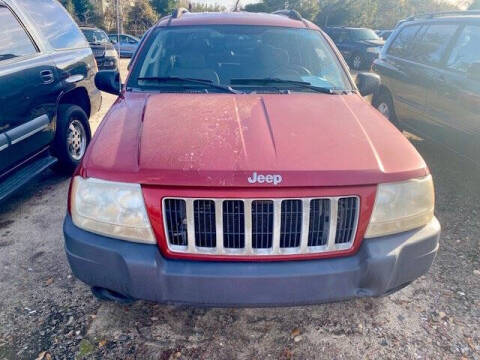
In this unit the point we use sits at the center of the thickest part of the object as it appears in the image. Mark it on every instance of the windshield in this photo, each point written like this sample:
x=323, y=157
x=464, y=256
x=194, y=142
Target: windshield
x=234, y=56
x=364, y=34
x=95, y=36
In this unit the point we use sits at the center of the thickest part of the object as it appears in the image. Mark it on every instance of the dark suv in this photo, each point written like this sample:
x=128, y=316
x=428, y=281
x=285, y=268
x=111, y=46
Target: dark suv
x=359, y=46
x=47, y=91
x=430, y=70
x=105, y=53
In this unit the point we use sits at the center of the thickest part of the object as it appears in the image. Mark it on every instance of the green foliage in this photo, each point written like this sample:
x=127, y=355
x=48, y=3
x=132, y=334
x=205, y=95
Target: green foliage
x=475, y=5
x=163, y=7
x=140, y=18
x=367, y=13
x=198, y=7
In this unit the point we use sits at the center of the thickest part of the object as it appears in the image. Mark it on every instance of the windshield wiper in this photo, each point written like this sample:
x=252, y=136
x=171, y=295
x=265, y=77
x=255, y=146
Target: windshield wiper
x=174, y=79
x=276, y=81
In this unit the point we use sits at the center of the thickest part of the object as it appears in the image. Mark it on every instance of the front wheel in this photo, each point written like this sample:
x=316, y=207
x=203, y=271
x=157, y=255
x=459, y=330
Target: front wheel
x=72, y=137
x=384, y=103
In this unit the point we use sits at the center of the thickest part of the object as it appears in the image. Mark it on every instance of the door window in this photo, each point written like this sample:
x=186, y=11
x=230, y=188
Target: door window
x=14, y=41
x=466, y=51
x=431, y=48
x=403, y=43
x=54, y=23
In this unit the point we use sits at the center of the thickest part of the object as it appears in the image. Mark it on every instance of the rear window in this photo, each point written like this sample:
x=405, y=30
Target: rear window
x=403, y=43
x=54, y=23
x=466, y=51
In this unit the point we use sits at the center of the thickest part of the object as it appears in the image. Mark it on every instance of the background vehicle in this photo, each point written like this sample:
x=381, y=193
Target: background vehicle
x=359, y=46
x=103, y=50
x=430, y=72
x=385, y=34
x=48, y=94
x=126, y=45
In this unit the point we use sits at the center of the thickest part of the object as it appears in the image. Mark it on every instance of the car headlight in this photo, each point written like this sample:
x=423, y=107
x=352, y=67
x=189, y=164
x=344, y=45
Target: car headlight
x=111, y=53
x=401, y=207
x=374, y=50
x=112, y=209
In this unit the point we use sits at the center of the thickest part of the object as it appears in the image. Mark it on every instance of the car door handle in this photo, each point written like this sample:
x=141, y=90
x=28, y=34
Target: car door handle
x=47, y=76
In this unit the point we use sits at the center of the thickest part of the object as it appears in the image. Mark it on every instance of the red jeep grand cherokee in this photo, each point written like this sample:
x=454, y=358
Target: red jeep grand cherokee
x=240, y=165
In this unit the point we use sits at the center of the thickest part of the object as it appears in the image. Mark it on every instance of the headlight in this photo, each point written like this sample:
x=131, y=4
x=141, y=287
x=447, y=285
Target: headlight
x=401, y=207
x=374, y=50
x=111, y=53
x=112, y=209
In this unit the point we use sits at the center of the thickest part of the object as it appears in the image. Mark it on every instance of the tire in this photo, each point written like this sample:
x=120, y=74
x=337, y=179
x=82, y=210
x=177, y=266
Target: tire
x=383, y=102
x=357, y=62
x=72, y=137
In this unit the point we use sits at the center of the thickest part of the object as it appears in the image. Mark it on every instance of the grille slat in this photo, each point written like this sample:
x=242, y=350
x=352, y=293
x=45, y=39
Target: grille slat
x=319, y=222
x=176, y=218
x=260, y=227
x=205, y=223
x=233, y=224
x=262, y=224
x=347, y=211
x=291, y=224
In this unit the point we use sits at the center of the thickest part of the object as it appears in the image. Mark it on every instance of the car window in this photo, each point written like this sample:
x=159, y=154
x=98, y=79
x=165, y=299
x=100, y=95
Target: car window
x=363, y=35
x=54, y=23
x=431, y=47
x=95, y=35
x=466, y=51
x=402, y=44
x=223, y=53
x=14, y=41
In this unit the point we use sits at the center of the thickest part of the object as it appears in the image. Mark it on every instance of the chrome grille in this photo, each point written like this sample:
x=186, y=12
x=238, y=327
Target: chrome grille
x=260, y=226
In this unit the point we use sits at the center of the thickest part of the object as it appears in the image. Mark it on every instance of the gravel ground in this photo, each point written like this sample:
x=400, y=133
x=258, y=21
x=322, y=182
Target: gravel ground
x=48, y=314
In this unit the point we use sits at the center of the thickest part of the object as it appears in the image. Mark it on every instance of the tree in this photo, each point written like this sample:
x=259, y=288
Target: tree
x=163, y=7
x=475, y=5
x=198, y=7
x=141, y=17
x=84, y=11
x=307, y=8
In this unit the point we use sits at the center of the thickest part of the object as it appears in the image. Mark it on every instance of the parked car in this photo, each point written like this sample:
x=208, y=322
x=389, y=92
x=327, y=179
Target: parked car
x=48, y=93
x=126, y=45
x=359, y=46
x=103, y=50
x=385, y=34
x=216, y=182
x=430, y=72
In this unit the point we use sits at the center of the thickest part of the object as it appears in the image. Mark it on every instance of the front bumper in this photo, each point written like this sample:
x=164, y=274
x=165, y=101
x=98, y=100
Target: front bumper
x=382, y=265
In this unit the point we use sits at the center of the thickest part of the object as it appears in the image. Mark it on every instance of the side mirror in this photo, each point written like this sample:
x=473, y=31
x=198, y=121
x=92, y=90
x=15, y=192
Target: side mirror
x=474, y=71
x=109, y=81
x=368, y=83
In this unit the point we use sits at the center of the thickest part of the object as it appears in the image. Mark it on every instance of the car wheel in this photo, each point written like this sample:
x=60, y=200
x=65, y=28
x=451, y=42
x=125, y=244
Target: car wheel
x=357, y=62
x=384, y=103
x=72, y=137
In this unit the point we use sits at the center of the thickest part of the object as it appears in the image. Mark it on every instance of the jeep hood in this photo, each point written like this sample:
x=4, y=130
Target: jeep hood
x=220, y=140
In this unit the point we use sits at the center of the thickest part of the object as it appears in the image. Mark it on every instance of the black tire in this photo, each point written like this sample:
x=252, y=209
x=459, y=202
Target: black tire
x=383, y=102
x=70, y=117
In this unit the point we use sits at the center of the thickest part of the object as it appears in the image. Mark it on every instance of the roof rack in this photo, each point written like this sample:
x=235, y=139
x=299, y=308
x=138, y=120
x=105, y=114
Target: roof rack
x=292, y=14
x=441, y=14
